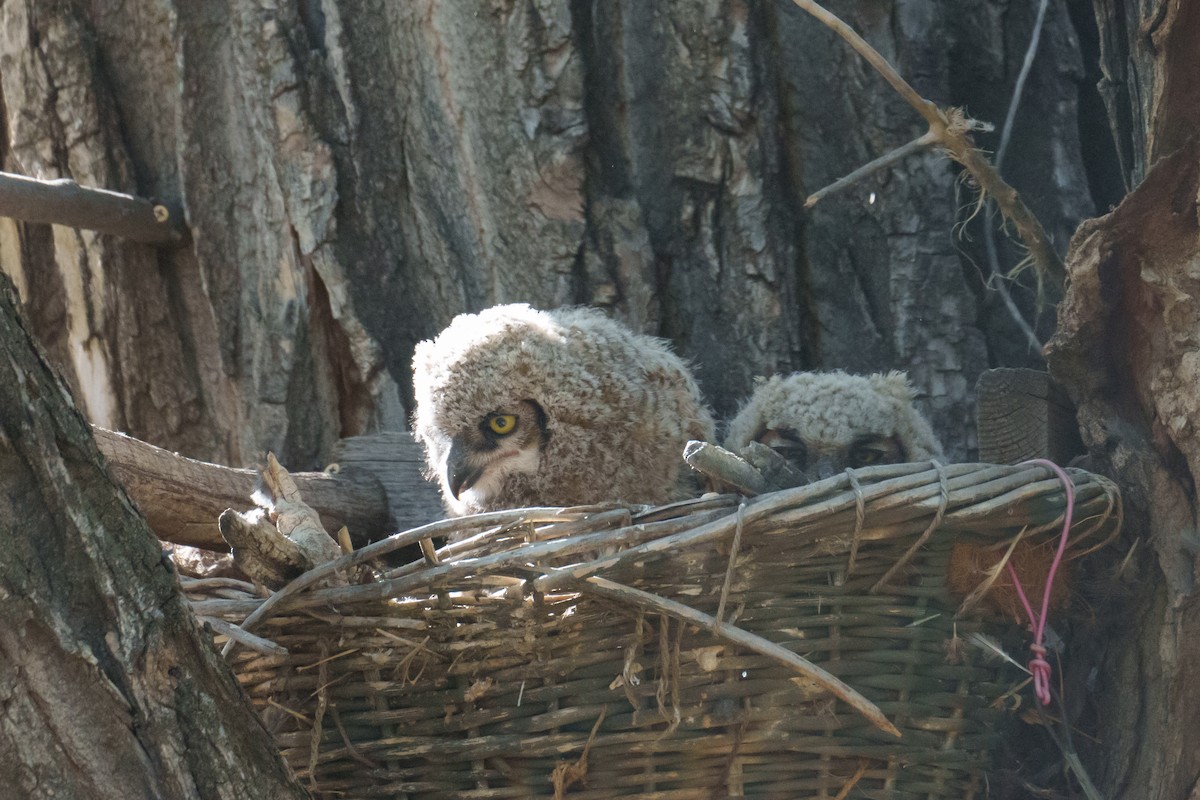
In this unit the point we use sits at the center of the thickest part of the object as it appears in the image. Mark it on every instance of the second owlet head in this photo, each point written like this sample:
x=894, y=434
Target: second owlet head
x=824, y=422
x=520, y=407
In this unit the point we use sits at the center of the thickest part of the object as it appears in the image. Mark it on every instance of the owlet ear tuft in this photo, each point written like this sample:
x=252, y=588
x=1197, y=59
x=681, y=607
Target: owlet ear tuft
x=893, y=384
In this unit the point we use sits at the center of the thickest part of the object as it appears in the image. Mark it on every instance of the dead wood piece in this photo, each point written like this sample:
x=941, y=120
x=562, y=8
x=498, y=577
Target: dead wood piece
x=263, y=553
x=294, y=518
x=776, y=470
x=256, y=643
x=726, y=468
x=274, y=554
x=182, y=498
x=196, y=562
x=398, y=463
x=1023, y=414
x=65, y=202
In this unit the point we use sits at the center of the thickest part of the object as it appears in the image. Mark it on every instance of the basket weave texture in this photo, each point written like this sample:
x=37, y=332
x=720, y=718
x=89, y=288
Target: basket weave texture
x=547, y=654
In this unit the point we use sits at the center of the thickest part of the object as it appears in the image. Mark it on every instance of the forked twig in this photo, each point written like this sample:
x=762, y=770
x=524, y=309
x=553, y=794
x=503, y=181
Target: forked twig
x=951, y=128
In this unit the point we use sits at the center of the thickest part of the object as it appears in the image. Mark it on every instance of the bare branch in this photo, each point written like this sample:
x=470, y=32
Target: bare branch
x=65, y=202
x=997, y=278
x=951, y=128
x=997, y=281
x=922, y=142
x=182, y=498
x=1019, y=86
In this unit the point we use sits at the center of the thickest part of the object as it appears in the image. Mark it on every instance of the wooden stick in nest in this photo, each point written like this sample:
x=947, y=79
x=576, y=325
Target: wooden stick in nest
x=951, y=128
x=756, y=470
x=274, y=554
x=376, y=550
x=725, y=467
x=638, y=598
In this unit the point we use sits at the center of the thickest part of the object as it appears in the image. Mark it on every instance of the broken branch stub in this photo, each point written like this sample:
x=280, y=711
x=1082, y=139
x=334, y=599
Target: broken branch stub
x=261, y=551
x=275, y=554
x=181, y=498
x=725, y=468
x=65, y=202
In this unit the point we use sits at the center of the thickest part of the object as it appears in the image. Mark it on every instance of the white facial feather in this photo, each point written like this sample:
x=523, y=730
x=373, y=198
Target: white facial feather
x=484, y=492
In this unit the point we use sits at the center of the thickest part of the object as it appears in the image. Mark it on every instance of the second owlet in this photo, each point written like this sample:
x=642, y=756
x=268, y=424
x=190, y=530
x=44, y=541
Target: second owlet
x=520, y=407
x=824, y=422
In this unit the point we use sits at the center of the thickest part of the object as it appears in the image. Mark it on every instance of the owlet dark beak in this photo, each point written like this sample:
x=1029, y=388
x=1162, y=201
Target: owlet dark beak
x=460, y=474
x=826, y=467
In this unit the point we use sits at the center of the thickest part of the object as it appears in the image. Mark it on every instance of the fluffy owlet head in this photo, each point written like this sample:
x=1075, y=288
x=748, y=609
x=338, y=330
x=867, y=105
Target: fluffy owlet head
x=519, y=407
x=824, y=422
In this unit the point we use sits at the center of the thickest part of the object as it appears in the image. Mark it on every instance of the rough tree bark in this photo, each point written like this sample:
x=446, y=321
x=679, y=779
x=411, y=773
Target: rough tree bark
x=1129, y=353
x=354, y=173
x=1147, y=56
x=110, y=689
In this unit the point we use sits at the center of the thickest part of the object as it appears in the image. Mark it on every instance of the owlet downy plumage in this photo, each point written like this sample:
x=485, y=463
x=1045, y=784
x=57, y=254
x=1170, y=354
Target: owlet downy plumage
x=824, y=422
x=519, y=407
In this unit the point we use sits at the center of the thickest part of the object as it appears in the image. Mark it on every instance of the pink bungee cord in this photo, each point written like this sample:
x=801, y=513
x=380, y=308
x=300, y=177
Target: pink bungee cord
x=1039, y=667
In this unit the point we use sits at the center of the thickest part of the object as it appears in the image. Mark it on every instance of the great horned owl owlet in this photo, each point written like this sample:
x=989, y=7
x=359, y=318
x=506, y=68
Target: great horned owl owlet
x=519, y=407
x=824, y=422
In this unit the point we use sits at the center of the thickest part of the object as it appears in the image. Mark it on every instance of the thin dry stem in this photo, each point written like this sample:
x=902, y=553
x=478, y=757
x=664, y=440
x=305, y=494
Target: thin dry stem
x=922, y=142
x=850, y=784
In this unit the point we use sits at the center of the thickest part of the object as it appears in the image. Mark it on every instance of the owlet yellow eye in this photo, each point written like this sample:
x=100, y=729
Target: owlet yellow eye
x=502, y=424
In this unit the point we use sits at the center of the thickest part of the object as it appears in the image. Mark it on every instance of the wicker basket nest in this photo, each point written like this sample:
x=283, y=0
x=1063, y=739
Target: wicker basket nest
x=576, y=652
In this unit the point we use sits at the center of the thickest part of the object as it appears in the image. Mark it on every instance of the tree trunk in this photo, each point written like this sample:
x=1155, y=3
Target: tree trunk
x=1148, y=59
x=356, y=173
x=1127, y=352
x=111, y=690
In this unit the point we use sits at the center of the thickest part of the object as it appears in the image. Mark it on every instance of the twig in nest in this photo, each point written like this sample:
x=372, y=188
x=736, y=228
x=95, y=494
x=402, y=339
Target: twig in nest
x=724, y=467
x=348, y=744
x=850, y=784
x=567, y=774
x=234, y=633
x=314, y=741
x=733, y=554
x=627, y=594
x=951, y=128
